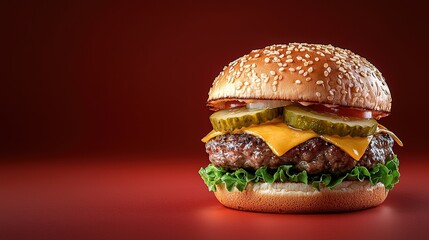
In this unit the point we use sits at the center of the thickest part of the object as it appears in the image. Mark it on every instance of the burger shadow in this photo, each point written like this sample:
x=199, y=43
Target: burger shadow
x=408, y=201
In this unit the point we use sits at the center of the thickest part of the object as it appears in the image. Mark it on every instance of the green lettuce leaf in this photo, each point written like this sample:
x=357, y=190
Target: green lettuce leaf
x=387, y=174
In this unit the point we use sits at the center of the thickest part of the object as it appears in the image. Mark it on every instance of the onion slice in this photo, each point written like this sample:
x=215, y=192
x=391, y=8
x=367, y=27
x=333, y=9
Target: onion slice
x=261, y=104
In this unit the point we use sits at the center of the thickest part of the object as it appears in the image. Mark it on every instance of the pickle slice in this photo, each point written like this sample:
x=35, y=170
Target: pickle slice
x=236, y=118
x=326, y=123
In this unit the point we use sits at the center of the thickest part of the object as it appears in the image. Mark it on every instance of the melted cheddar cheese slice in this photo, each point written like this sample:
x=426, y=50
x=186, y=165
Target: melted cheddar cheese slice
x=281, y=138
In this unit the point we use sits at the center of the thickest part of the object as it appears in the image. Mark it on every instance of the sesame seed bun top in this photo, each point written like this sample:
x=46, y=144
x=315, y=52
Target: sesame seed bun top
x=301, y=72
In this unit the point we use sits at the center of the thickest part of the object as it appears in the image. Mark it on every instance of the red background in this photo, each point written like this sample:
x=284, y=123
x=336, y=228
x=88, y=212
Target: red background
x=133, y=76
x=86, y=79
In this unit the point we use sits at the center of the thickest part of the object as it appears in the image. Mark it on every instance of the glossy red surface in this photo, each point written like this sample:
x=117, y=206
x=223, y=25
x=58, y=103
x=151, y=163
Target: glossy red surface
x=156, y=198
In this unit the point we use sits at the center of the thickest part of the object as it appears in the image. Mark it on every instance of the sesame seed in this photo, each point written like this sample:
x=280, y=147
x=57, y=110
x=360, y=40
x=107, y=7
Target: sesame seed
x=275, y=83
x=325, y=65
x=343, y=60
x=273, y=73
x=318, y=94
x=246, y=83
x=330, y=98
x=267, y=60
x=297, y=81
x=319, y=82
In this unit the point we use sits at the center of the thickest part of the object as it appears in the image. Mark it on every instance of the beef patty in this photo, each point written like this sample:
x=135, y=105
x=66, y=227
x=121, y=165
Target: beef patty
x=233, y=151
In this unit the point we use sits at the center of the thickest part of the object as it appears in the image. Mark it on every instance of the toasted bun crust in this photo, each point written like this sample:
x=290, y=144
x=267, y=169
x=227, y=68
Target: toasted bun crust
x=301, y=72
x=302, y=198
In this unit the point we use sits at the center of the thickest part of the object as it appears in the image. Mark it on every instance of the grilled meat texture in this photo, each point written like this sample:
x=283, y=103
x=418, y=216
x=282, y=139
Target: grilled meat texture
x=234, y=151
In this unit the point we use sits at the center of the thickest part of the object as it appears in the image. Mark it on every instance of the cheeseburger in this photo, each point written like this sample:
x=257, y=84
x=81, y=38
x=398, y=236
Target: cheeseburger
x=295, y=131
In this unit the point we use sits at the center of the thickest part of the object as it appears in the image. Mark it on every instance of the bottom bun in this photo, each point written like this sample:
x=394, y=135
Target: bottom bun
x=302, y=198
